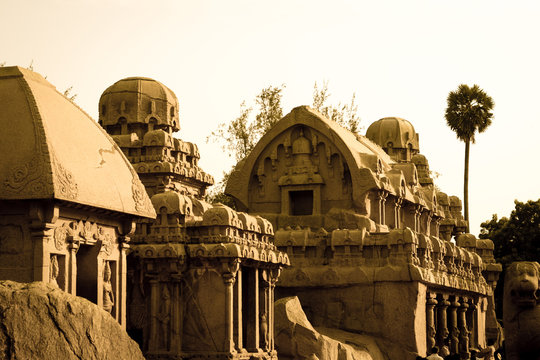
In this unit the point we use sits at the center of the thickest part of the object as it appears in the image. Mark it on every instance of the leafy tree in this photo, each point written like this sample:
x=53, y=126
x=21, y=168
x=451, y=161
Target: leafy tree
x=345, y=115
x=468, y=111
x=242, y=134
x=516, y=238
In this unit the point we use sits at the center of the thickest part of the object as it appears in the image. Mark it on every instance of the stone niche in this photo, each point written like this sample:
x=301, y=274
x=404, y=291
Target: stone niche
x=63, y=221
x=375, y=247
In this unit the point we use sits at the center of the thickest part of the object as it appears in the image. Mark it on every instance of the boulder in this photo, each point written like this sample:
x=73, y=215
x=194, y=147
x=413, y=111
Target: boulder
x=297, y=339
x=40, y=321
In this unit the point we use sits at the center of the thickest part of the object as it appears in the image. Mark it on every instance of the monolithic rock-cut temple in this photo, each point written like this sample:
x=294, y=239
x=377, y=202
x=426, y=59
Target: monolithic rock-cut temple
x=202, y=276
x=369, y=235
x=69, y=198
x=351, y=225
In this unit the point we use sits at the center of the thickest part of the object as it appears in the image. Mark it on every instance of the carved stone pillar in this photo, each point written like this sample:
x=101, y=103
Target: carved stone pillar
x=229, y=271
x=274, y=275
x=42, y=224
x=238, y=311
x=265, y=310
x=228, y=279
x=255, y=292
x=177, y=316
x=428, y=222
x=121, y=281
x=442, y=329
x=73, y=247
x=471, y=324
x=153, y=343
x=417, y=211
x=397, y=212
x=430, y=320
x=463, y=329
x=381, y=197
x=453, y=323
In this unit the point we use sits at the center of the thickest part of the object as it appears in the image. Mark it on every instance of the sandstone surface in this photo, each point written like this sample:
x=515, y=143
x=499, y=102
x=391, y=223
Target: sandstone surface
x=40, y=321
x=297, y=339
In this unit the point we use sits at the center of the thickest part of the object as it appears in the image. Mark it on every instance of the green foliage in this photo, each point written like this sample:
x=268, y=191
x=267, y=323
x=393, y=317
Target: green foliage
x=468, y=111
x=516, y=238
x=242, y=134
x=345, y=115
x=270, y=110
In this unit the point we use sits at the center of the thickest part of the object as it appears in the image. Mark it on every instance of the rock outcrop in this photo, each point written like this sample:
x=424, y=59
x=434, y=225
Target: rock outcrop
x=297, y=339
x=40, y=321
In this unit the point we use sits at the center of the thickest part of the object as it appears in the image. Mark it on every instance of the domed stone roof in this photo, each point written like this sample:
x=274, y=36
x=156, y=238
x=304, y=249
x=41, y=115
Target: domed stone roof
x=51, y=149
x=139, y=100
x=393, y=132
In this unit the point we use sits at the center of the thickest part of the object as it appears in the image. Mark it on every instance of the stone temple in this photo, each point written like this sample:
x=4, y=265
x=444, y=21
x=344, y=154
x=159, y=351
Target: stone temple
x=351, y=225
x=369, y=235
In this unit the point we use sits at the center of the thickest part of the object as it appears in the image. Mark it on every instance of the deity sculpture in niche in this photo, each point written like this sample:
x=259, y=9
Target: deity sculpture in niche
x=53, y=271
x=264, y=331
x=108, y=294
x=164, y=317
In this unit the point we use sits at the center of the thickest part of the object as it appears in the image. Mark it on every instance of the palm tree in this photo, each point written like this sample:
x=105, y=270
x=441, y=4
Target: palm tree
x=469, y=110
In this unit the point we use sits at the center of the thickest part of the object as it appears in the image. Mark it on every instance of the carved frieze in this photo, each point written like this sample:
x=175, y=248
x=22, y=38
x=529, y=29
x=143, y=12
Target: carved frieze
x=66, y=185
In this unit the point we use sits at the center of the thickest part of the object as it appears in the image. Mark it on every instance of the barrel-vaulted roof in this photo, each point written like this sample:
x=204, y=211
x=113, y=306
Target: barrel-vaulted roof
x=364, y=157
x=51, y=149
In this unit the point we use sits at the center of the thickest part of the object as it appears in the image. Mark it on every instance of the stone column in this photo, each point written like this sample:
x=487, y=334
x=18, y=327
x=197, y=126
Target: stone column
x=428, y=222
x=265, y=314
x=153, y=343
x=274, y=275
x=397, y=213
x=471, y=323
x=381, y=197
x=463, y=329
x=442, y=329
x=430, y=320
x=176, y=316
x=228, y=279
x=121, y=281
x=453, y=322
x=73, y=247
x=417, y=212
x=42, y=225
x=238, y=304
x=229, y=270
x=256, y=338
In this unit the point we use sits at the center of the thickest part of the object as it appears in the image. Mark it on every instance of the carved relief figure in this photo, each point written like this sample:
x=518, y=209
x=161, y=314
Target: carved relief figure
x=264, y=331
x=53, y=271
x=108, y=294
x=164, y=317
x=521, y=311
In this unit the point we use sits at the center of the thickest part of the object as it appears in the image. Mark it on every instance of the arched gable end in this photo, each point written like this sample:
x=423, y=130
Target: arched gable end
x=306, y=155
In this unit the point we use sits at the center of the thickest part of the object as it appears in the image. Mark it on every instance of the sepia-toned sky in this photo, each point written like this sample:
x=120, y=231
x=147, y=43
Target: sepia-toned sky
x=400, y=58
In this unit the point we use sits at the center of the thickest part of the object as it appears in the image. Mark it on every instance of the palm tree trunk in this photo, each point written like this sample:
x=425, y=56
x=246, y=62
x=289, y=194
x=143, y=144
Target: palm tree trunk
x=466, y=184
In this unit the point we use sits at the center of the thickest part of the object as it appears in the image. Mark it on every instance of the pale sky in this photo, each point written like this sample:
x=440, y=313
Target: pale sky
x=401, y=58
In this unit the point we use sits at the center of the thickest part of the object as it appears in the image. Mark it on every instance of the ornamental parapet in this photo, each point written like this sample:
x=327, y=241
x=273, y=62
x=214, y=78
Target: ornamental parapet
x=242, y=252
x=354, y=256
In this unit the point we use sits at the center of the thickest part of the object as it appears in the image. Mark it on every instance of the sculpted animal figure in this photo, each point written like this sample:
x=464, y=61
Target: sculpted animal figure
x=521, y=311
